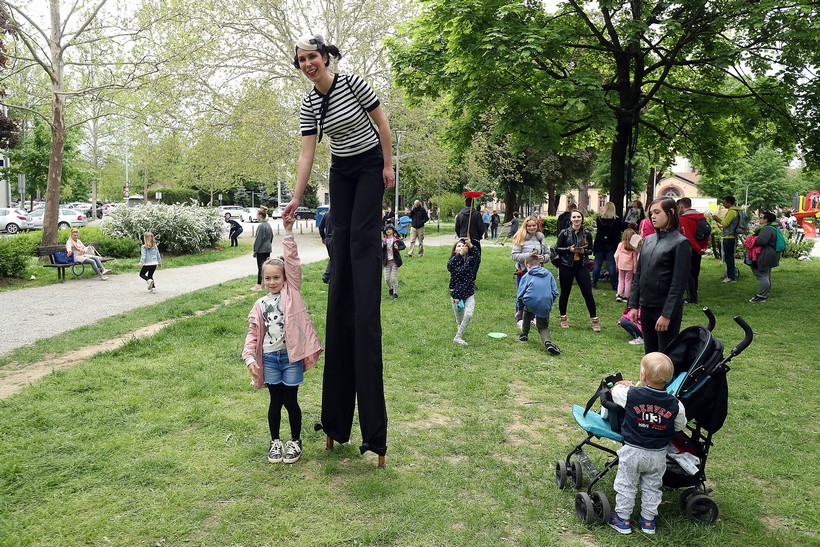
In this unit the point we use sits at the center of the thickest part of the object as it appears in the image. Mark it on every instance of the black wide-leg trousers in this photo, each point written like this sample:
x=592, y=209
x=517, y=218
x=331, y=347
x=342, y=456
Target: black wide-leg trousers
x=353, y=347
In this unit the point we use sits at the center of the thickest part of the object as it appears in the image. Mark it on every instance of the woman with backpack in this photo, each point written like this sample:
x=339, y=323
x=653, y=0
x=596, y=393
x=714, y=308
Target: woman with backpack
x=768, y=258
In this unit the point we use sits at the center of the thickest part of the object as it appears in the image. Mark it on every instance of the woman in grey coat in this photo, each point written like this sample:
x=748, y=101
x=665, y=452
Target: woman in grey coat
x=262, y=245
x=767, y=259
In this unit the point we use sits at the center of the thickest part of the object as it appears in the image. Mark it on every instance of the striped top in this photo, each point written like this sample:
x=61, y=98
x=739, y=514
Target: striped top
x=346, y=122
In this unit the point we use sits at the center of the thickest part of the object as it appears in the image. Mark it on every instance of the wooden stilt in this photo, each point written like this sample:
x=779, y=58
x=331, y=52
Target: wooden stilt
x=328, y=442
x=381, y=461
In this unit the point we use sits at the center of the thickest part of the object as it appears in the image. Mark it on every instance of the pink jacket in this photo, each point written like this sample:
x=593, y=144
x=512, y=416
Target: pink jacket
x=300, y=335
x=625, y=317
x=625, y=260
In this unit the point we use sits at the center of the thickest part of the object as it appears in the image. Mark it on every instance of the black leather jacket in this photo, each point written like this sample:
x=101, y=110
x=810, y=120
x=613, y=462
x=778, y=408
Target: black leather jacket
x=663, y=270
x=570, y=238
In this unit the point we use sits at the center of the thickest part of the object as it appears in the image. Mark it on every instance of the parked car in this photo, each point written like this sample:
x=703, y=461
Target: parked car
x=303, y=213
x=13, y=220
x=86, y=208
x=230, y=211
x=276, y=213
x=248, y=214
x=66, y=218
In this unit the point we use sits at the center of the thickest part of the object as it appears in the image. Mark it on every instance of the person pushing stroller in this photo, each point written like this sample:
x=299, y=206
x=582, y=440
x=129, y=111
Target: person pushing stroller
x=652, y=416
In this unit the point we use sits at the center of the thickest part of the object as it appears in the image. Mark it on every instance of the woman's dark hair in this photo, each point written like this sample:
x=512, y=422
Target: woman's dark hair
x=670, y=207
x=769, y=217
x=326, y=50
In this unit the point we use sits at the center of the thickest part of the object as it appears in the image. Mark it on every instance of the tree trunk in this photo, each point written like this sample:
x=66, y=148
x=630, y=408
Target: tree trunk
x=55, y=161
x=509, y=205
x=620, y=149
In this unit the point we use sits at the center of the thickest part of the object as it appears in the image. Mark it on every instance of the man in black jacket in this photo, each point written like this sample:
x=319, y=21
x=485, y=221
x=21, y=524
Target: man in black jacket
x=470, y=218
x=563, y=220
x=418, y=218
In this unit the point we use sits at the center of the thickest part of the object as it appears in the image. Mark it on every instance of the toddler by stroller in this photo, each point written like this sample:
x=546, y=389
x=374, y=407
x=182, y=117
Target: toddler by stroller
x=700, y=383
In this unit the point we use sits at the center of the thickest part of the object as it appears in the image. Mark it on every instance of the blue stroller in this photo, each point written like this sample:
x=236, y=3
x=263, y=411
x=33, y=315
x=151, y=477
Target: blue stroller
x=700, y=383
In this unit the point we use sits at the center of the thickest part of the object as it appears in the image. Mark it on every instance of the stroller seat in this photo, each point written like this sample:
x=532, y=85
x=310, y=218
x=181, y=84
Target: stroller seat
x=595, y=424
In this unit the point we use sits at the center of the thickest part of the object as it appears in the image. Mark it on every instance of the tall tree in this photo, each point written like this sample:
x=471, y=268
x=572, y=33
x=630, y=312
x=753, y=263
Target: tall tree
x=89, y=38
x=592, y=73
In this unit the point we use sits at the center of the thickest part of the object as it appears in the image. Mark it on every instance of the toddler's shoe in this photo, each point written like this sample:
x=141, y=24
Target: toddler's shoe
x=390, y=292
x=459, y=340
x=647, y=526
x=636, y=341
x=395, y=295
x=552, y=348
x=522, y=338
x=619, y=525
x=275, y=452
x=619, y=298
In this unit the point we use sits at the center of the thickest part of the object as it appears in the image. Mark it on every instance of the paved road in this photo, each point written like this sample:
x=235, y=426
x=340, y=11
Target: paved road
x=43, y=312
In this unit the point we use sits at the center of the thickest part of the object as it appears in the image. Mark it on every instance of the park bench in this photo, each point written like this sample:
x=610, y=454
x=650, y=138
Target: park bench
x=76, y=268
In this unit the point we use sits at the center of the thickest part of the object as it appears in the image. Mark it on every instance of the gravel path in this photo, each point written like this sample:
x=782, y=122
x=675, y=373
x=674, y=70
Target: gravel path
x=43, y=312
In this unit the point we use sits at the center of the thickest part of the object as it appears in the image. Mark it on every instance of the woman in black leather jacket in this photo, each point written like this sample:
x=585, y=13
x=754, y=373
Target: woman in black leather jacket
x=661, y=277
x=574, y=245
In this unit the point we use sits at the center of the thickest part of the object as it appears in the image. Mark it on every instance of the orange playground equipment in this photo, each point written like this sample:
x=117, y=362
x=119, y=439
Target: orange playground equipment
x=809, y=207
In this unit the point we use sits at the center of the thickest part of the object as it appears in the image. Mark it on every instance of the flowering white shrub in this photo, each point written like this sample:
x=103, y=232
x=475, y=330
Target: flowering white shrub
x=178, y=229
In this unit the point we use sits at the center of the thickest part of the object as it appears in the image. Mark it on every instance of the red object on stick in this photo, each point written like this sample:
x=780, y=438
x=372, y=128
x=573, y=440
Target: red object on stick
x=473, y=194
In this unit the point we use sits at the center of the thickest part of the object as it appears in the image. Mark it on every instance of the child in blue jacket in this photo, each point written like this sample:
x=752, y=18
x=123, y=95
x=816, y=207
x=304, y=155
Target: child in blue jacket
x=536, y=294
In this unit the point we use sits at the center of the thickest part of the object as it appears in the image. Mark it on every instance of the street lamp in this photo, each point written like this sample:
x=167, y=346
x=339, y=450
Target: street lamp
x=398, y=155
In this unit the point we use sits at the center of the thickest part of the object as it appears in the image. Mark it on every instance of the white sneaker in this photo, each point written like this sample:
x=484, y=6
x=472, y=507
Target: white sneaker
x=106, y=271
x=520, y=324
x=636, y=341
x=293, y=451
x=103, y=278
x=150, y=284
x=459, y=340
x=275, y=452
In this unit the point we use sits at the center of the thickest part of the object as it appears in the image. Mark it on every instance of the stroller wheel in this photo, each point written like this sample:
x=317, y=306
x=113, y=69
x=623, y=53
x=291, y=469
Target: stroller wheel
x=584, y=508
x=685, y=495
x=702, y=508
x=561, y=474
x=577, y=475
x=601, y=506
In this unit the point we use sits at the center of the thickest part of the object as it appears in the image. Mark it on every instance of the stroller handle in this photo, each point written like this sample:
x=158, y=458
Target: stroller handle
x=711, y=317
x=747, y=339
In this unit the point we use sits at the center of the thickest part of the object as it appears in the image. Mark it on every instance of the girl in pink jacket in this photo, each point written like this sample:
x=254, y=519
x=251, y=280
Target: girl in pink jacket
x=626, y=260
x=281, y=345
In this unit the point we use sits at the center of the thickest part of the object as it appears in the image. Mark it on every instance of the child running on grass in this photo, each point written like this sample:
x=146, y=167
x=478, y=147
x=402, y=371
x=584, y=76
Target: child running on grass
x=652, y=418
x=463, y=265
x=536, y=294
x=150, y=260
x=281, y=345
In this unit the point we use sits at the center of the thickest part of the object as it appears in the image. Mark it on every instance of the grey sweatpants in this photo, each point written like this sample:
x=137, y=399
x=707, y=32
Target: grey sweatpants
x=464, y=315
x=639, y=465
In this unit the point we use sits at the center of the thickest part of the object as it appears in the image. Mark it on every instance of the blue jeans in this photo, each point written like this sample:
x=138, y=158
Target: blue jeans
x=279, y=370
x=729, y=245
x=631, y=328
x=607, y=252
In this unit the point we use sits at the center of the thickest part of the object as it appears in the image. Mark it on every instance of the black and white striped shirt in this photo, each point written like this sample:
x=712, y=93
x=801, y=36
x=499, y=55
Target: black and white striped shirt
x=346, y=122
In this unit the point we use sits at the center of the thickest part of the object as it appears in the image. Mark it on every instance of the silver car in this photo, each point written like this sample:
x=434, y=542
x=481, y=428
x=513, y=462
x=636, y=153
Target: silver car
x=67, y=218
x=13, y=220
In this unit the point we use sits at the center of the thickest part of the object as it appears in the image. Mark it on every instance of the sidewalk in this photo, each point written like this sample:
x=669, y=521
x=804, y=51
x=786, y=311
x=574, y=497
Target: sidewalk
x=43, y=312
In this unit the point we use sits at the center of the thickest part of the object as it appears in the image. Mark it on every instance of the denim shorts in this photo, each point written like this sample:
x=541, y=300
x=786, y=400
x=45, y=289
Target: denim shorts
x=279, y=370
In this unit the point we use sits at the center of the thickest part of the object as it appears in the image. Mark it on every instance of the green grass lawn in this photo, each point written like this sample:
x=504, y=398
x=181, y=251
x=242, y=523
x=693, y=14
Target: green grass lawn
x=164, y=442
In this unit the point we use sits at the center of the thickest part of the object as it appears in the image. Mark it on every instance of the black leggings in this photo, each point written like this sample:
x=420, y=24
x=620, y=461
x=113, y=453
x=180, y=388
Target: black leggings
x=579, y=272
x=147, y=272
x=260, y=259
x=282, y=395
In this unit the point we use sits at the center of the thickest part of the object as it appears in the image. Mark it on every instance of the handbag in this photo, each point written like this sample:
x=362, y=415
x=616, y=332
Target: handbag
x=61, y=257
x=555, y=258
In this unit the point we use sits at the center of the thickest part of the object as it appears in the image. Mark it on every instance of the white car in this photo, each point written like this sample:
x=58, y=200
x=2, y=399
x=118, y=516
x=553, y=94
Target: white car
x=248, y=214
x=66, y=218
x=14, y=220
x=276, y=213
x=231, y=211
